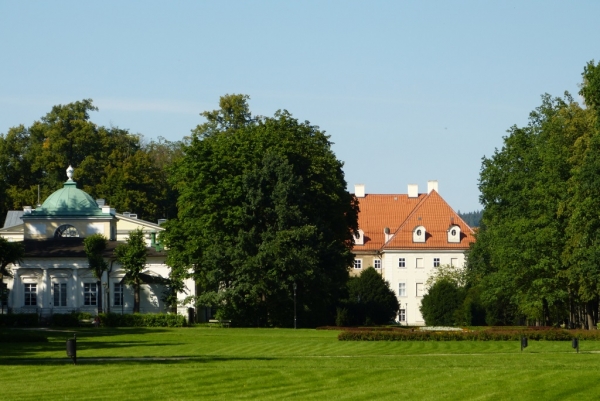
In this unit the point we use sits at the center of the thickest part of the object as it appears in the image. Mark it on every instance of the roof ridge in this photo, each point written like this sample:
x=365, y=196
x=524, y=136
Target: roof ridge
x=456, y=213
x=417, y=206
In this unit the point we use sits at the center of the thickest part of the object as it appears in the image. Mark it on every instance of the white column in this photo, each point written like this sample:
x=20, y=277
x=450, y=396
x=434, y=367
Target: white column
x=75, y=290
x=16, y=299
x=46, y=290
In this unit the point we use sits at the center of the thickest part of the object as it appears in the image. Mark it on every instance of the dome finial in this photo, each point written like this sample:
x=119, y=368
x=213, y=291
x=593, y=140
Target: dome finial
x=70, y=173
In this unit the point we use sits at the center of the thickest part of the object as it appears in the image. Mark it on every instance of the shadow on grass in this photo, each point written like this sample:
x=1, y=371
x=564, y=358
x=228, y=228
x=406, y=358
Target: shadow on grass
x=57, y=341
x=179, y=360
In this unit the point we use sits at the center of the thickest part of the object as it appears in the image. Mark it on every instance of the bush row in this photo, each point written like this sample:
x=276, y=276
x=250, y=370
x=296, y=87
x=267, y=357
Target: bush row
x=142, y=320
x=19, y=320
x=22, y=336
x=483, y=335
x=69, y=319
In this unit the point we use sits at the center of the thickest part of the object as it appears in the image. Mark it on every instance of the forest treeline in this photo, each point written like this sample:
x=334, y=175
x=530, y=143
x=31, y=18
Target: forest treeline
x=471, y=218
x=110, y=163
x=537, y=254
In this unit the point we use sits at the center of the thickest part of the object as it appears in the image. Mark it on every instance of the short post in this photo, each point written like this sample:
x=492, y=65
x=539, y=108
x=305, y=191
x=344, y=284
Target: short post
x=575, y=343
x=523, y=343
x=295, y=287
x=72, y=348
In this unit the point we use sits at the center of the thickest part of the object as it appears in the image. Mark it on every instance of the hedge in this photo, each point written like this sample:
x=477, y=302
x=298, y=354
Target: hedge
x=483, y=335
x=142, y=320
x=72, y=319
x=19, y=320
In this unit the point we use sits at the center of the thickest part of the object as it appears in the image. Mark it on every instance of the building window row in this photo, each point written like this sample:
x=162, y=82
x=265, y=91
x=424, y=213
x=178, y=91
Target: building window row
x=420, y=264
x=59, y=294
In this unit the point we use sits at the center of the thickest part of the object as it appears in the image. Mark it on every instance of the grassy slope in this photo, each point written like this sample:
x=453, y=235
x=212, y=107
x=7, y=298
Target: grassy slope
x=285, y=364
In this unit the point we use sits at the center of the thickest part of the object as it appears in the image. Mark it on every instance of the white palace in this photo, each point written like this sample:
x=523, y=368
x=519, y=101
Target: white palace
x=54, y=277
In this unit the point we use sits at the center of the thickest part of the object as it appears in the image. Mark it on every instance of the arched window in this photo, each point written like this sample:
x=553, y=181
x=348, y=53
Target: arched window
x=66, y=231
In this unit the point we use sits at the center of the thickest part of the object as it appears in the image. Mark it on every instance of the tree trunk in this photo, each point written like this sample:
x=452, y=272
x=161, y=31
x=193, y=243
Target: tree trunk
x=589, y=314
x=136, y=298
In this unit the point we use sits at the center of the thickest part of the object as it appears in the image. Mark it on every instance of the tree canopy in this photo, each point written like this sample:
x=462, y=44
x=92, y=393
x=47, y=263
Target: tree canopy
x=132, y=258
x=262, y=205
x=536, y=255
x=109, y=163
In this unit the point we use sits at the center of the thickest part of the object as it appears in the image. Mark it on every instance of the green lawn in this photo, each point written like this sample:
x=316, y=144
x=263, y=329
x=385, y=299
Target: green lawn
x=273, y=364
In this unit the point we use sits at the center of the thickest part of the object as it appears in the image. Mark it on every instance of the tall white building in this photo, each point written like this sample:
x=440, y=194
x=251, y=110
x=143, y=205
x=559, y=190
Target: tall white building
x=406, y=237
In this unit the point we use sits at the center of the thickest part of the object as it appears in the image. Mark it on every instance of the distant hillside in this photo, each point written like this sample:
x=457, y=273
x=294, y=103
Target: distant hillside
x=471, y=218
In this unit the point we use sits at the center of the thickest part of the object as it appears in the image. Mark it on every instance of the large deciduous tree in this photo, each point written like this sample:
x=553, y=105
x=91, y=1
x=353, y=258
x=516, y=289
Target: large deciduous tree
x=132, y=258
x=536, y=252
x=109, y=163
x=263, y=205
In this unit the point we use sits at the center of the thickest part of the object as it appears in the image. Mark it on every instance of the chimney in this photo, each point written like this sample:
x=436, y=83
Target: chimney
x=359, y=190
x=413, y=190
x=100, y=202
x=432, y=185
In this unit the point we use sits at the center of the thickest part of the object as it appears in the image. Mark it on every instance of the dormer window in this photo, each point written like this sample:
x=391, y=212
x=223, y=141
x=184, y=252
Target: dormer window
x=359, y=238
x=454, y=234
x=419, y=234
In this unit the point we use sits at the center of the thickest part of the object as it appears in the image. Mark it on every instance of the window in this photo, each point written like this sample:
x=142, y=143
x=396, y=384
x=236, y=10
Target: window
x=118, y=295
x=66, y=231
x=30, y=294
x=89, y=294
x=358, y=263
x=401, y=289
x=419, y=289
x=377, y=263
x=402, y=263
x=60, y=294
x=402, y=315
x=420, y=263
x=436, y=262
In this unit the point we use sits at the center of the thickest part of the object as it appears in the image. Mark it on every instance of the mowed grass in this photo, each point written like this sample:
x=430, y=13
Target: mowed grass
x=275, y=364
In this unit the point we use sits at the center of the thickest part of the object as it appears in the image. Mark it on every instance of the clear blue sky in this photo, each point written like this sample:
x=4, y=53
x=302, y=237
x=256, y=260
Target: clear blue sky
x=408, y=90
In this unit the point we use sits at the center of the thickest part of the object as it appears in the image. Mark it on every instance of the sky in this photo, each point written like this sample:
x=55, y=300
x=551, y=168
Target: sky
x=409, y=91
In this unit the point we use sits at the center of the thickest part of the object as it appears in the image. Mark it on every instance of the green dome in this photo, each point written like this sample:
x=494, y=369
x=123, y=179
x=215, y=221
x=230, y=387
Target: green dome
x=68, y=201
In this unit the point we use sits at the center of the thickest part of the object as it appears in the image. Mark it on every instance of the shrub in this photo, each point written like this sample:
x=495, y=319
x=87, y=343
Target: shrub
x=64, y=320
x=547, y=334
x=142, y=320
x=19, y=320
x=371, y=301
x=440, y=305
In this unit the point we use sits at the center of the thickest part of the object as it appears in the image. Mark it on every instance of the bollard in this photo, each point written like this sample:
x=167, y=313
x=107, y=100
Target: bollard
x=72, y=349
x=575, y=343
x=523, y=343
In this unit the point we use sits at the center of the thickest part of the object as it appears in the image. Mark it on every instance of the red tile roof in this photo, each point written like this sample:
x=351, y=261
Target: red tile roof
x=401, y=215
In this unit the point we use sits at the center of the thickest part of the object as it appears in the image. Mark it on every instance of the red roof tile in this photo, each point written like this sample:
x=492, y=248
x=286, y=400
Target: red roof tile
x=402, y=214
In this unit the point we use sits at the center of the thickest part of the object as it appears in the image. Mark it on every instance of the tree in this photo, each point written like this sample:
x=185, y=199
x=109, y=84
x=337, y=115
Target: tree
x=109, y=163
x=262, y=205
x=10, y=253
x=521, y=261
x=370, y=299
x=132, y=257
x=441, y=302
x=95, y=245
